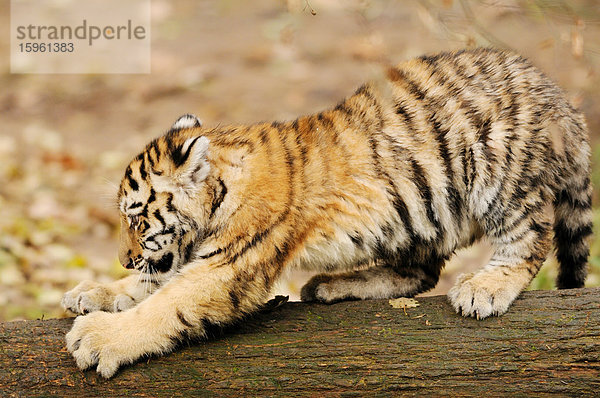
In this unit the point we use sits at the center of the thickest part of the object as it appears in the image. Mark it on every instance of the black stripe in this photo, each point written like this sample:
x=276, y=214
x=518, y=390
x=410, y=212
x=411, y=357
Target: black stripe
x=362, y=90
x=397, y=201
x=311, y=124
x=325, y=121
x=231, y=137
x=151, y=280
x=211, y=254
x=144, y=226
x=217, y=200
x=135, y=205
x=187, y=252
x=566, y=234
x=356, y=239
x=144, y=212
x=468, y=168
x=170, y=206
x=166, y=231
x=379, y=117
x=150, y=158
x=132, y=182
x=425, y=191
x=303, y=153
x=388, y=231
x=264, y=136
x=401, y=210
x=430, y=59
x=347, y=113
x=565, y=196
x=180, y=158
x=454, y=199
x=539, y=227
x=163, y=264
x=413, y=88
x=234, y=298
x=526, y=182
x=497, y=205
x=154, y=146
x=182, y=319
x=464, y=160
x=180, y=248
x=159, y=217
x=526, y=212
x=482, y=136
x=147, y=241
x=301, y=145
x=152, y=196
x=403, y=111
x=143, y=173
x=210, y=329
x=404, y=214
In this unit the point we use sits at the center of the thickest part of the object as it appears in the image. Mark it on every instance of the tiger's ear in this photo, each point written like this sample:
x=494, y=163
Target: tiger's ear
x=186, y=121
x=190, y=163
x=187, y=167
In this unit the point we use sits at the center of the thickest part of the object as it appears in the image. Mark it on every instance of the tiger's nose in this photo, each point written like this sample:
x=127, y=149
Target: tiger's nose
x=129, y=264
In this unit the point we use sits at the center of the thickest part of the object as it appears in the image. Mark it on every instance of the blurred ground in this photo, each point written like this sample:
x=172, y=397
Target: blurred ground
x=65, y=139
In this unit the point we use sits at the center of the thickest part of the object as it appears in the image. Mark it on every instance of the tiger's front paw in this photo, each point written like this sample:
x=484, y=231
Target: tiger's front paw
x=483, y=294
x=101, y=338
x=91, y=296
x=87, y=297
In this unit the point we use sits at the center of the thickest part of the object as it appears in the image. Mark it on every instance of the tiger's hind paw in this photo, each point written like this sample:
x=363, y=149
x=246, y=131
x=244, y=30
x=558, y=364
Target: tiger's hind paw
x=319, y=288
x=481, y=295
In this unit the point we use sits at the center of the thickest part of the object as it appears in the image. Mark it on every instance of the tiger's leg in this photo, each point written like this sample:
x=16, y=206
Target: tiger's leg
x=199, y=295
x=386, y=281
x=519, y=254
x=90, y=296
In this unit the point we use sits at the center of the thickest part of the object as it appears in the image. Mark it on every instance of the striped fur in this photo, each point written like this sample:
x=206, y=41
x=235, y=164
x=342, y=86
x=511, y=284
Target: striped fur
x=376, y=193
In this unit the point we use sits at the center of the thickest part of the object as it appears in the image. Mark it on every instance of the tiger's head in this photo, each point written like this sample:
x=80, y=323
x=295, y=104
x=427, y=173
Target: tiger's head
x=162, y=200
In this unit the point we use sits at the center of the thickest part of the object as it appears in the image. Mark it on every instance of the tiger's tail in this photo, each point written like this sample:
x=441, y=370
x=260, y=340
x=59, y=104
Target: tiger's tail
x=573, y=226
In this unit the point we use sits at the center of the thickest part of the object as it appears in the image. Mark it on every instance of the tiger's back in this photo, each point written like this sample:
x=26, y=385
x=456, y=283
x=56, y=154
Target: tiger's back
x=450, y=148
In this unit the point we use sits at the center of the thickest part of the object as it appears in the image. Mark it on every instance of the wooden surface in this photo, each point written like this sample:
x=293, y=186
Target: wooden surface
x=547, y=344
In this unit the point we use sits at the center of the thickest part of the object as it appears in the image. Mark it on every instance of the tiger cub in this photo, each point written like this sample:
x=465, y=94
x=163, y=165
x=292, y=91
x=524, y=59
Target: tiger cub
x=448, y=149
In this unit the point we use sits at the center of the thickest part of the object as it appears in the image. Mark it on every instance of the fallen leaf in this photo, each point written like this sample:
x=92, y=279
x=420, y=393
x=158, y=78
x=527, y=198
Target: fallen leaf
x=404, y=302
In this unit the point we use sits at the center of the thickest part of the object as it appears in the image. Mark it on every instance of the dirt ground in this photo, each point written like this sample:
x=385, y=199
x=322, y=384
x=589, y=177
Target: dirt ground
x=66, y=139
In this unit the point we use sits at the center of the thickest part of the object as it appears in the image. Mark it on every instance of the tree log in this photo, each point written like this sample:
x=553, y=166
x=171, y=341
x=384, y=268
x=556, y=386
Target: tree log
x=548, y=343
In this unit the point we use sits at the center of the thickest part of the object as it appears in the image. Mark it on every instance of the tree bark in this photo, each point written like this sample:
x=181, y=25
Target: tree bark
x=548, y=343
